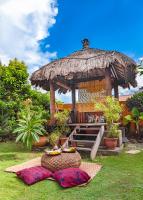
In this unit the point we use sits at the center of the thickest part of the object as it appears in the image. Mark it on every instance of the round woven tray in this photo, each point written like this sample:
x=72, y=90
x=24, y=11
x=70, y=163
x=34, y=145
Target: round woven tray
x=62, y=161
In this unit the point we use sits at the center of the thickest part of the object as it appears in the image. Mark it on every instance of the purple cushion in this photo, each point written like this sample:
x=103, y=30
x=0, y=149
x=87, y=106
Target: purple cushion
x=34, y=174
x=70, y=177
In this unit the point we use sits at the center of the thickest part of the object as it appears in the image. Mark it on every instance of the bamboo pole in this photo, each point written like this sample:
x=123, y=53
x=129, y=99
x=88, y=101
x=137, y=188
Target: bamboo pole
x=108, y=83
x=74, y=104
x=52, y=101
x=116, y=91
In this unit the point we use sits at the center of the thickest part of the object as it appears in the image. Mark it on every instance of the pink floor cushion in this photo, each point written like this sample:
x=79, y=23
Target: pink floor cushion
x=70, y=177
x=33, y=175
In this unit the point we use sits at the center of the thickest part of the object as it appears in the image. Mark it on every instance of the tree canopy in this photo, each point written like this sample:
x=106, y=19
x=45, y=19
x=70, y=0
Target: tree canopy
x=15, y=88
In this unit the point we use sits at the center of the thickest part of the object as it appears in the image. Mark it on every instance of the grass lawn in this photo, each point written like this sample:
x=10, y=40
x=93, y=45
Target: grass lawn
x=121, y=178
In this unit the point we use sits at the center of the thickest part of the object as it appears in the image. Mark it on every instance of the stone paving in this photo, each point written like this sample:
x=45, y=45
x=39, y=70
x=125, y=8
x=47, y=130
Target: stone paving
x=133, y=148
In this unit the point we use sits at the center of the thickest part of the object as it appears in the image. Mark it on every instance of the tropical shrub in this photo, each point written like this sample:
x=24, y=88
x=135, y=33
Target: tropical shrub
x=136, y=101
x=5, y=127
x=111, y=109
x=136, y=117
x=30, y=125
x=14, y=88
x=54, y=137
x=61, y=121
x=41, y=99
x=113, y=131
x=61, y=128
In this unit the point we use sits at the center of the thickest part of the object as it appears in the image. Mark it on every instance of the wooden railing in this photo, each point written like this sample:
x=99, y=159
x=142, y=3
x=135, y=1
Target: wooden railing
x=97, y=143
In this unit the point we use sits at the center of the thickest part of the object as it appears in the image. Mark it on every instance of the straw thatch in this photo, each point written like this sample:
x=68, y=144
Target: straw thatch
x=84, y=65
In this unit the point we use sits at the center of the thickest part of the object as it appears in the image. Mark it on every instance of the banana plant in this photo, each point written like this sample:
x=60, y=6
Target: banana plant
x=136, y=117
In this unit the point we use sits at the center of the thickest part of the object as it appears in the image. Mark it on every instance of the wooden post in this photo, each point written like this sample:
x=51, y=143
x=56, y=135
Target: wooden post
x=116, y=91
x=52, y=101
x=108, y=83
x=74, y=104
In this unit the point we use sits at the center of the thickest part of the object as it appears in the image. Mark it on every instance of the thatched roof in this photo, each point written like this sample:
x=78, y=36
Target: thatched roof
x=84, y=65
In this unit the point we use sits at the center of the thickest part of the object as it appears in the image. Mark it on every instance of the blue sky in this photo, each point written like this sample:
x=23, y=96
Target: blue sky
x=112, y=24
x=38, y=31
x=108, y=24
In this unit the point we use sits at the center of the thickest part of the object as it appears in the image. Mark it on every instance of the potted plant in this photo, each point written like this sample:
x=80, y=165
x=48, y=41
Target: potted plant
x=111, y=109
x=62, y=125
x=112, y=138
x=30, y=126
x=54, y=138
x=136, y=117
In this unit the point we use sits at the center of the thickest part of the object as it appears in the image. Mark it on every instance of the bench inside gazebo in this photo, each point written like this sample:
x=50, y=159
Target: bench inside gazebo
x=94, y=73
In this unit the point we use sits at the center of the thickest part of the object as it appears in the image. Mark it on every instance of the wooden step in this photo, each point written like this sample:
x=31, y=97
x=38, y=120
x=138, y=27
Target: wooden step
x=89, y=129
x=83, y=144
x=87, y=124
x=83, y=149
x=86, y=134
x=83, y=141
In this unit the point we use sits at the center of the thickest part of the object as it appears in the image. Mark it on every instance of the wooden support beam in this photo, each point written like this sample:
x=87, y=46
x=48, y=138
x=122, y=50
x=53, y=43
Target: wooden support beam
x=52, y=101
x=116, y=91
x=108, y=83
x=73, y=104
x=63, y=85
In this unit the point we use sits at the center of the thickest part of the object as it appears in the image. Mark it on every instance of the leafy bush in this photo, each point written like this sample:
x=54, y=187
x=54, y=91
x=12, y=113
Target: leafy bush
x=62, y=127
x=39, y=98
x=54, y=137
x=111, y=109
x=61, y=120
x=136, y=117
x=30, y=125
x=136, y=101
x=5, y=127
x=113, y=131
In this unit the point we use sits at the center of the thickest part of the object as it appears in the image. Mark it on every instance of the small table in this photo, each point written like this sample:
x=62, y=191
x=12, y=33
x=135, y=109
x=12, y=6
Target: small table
x=61, y=161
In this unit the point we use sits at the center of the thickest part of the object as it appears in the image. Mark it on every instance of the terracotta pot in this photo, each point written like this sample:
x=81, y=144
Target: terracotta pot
x=110, y=143
x=42, y=142
x=63, y=140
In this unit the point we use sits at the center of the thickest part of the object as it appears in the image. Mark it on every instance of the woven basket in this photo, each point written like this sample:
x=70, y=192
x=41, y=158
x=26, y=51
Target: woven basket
x=62, y=161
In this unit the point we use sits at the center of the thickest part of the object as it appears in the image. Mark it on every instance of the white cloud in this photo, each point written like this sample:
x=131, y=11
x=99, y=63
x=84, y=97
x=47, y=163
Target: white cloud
x=23, y=24
x=141, y=59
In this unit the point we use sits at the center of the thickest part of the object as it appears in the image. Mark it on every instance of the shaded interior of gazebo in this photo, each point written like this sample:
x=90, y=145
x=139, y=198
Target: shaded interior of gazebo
x=88, y=69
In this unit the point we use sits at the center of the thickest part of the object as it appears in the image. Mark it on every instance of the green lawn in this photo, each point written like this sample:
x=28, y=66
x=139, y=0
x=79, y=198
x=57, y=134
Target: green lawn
x=121, y=178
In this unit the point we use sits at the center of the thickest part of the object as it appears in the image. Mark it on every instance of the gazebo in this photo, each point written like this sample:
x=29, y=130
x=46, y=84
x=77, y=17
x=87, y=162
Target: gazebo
x=88, y=67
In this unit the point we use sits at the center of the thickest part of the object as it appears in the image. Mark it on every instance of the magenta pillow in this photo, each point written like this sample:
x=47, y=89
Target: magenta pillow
x=34, y=174
x=70, y=177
